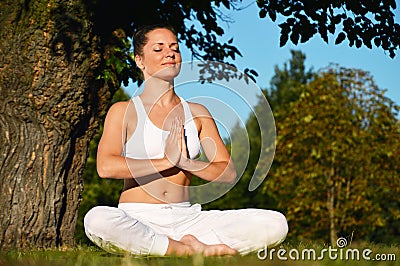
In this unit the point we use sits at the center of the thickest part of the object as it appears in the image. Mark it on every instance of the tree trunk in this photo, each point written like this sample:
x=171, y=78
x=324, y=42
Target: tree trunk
x=330, y=202
x=50, y=106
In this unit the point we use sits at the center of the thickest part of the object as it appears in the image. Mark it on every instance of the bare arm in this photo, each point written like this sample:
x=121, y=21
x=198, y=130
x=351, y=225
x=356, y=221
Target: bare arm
x=220, y=166
x=110, y=162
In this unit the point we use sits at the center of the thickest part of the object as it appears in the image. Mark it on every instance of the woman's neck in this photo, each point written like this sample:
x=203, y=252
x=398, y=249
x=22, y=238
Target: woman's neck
x=157, y=91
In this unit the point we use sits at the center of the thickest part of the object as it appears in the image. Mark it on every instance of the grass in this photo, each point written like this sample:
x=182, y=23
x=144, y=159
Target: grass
x=90, y=256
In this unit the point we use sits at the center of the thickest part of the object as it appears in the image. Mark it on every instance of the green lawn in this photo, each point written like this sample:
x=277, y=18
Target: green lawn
x=88, y=256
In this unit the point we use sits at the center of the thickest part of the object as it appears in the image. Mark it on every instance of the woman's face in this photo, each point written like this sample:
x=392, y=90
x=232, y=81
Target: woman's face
x=161, y=56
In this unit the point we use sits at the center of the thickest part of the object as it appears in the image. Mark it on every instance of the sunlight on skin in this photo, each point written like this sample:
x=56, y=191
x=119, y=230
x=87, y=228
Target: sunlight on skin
x=190, y=73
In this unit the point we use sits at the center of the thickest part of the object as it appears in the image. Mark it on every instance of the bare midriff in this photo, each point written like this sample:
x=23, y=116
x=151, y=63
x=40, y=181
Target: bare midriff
x=167, y=188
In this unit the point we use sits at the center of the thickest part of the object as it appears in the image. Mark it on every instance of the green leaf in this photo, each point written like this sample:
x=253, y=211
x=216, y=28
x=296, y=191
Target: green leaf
x=377, y=41
x=272, y=14
x=262, y=13
x=253, y=72
x=340, y=38
x=308, y=118
x=294, y=37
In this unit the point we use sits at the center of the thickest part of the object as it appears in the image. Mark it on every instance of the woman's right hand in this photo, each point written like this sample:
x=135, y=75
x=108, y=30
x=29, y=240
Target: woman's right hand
x=172, y=144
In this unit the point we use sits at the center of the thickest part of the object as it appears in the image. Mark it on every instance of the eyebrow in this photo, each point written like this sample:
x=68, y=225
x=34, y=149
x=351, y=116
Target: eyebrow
x=161, y=43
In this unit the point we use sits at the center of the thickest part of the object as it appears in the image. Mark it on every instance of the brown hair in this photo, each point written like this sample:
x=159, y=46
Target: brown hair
x=140, y=37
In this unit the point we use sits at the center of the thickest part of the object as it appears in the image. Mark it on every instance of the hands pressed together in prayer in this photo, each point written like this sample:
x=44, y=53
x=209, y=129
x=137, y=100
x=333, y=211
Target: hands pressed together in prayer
x=175, y=145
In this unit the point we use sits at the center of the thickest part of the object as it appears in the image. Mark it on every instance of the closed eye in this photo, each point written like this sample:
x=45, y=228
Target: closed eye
x=175, y=47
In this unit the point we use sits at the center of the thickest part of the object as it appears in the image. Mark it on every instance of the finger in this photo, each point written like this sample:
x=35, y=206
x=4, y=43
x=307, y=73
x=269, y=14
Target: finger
x=174, y=134
x=179, y=132
x=177, y=128
x=173, y=130
x=179, y=123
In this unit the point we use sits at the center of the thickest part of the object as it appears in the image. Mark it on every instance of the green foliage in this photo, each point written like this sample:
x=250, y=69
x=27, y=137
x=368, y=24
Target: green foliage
x=196, y=23
x=336, y=170
x=361, y=22
x=287, y=83
x=118, y=61
x=97, y=191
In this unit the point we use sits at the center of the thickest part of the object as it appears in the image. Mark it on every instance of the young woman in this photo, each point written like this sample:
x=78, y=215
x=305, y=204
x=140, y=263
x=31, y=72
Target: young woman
x=151, y=142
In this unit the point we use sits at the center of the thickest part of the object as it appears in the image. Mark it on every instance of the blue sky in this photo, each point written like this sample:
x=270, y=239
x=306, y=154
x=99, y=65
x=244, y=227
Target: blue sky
x=258, y=41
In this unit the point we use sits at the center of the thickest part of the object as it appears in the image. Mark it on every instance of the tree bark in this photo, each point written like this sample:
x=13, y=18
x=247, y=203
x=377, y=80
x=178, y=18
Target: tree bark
x=50, y=107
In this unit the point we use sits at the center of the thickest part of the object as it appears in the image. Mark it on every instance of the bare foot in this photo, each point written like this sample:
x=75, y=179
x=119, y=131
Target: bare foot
x=207, y=250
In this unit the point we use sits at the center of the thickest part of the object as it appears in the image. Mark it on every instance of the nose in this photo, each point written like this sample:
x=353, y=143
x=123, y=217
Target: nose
x=170, y=53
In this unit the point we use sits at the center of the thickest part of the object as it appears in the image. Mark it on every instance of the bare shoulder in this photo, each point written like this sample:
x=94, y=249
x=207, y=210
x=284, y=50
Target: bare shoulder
x=121, y=109
x=202, y=117
x=199, y=110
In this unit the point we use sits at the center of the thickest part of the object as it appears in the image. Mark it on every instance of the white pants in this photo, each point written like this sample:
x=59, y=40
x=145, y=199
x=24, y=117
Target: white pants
x=143, y=229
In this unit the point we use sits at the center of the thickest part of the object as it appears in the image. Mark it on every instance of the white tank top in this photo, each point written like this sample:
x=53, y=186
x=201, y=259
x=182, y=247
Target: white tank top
x=148, y=141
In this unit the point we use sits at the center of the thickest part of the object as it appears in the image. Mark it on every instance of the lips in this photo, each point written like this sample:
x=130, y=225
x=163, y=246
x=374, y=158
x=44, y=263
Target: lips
x=169, y=64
